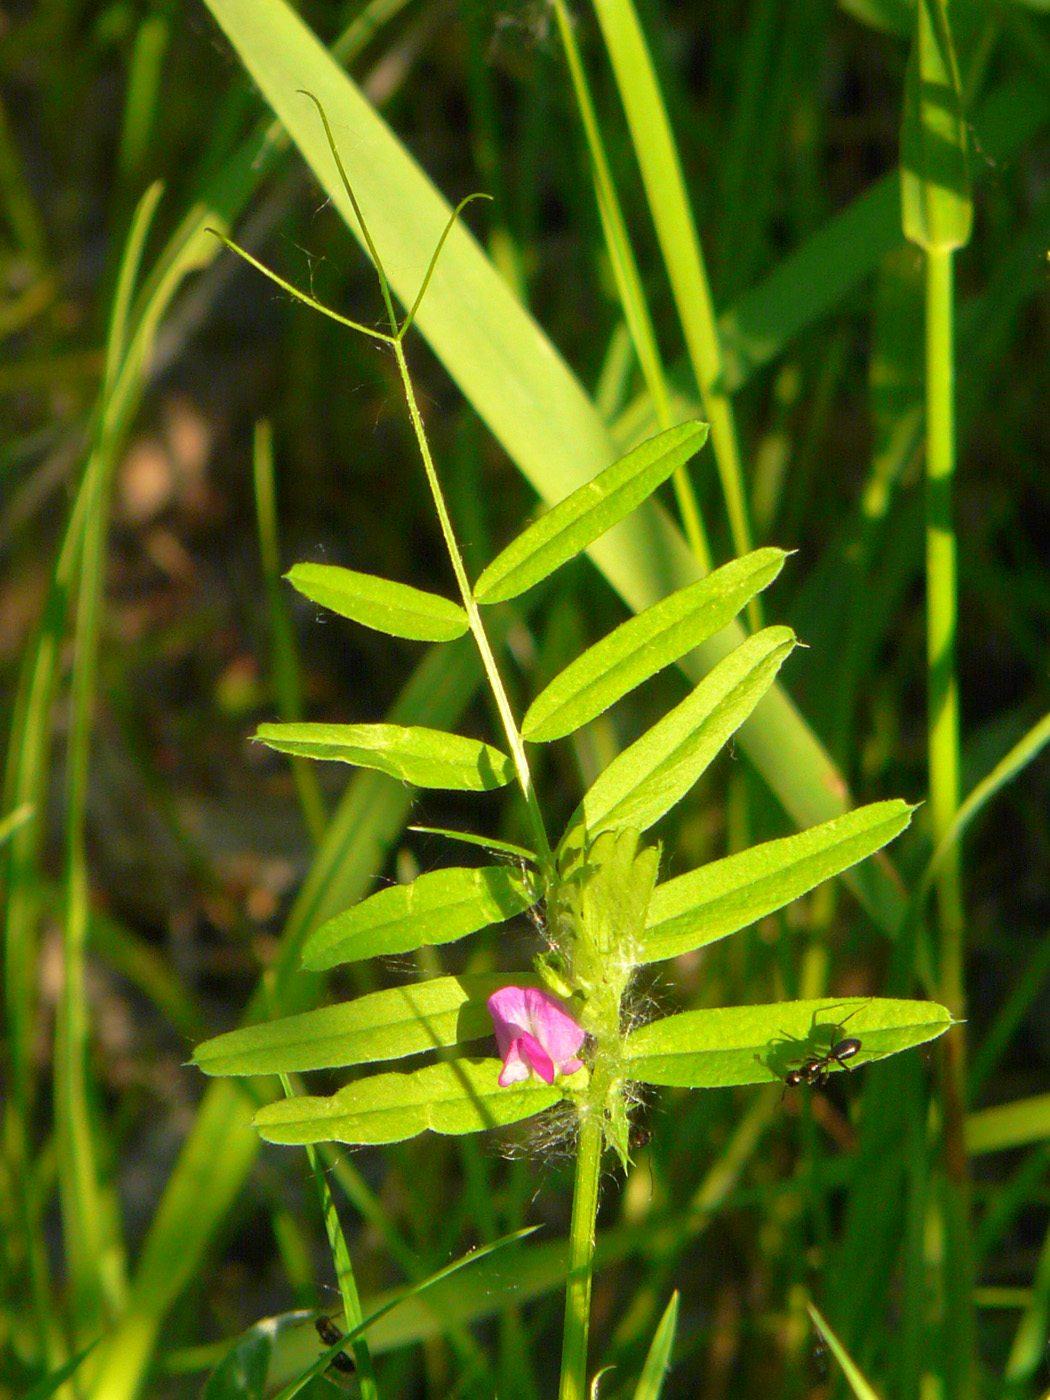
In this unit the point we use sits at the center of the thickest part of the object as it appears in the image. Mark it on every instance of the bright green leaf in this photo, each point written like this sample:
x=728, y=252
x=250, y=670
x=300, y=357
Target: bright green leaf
x=754, y=1044
x=383, y=1025
x=379, y=603
x=580, y=519
x=647, y=779
x=645, y=644
x=427, y=758
x=437, y=908
x=727, y=895
x=936, y=207
x=455, y=1097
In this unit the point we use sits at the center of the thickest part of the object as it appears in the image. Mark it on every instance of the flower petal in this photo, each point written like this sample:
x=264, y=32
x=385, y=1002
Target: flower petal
x=559, y=1034
x=537, y=1057
x=515, y=1066
x=509, y=1016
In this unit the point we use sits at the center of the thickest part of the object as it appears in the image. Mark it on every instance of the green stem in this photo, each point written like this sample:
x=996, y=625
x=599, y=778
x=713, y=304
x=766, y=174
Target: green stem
x=581, y=1261
x=517, y=747
x=943, y=722
x=941, y=589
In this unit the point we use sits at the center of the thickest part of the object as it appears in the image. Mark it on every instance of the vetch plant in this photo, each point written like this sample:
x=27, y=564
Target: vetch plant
x=564, y=1026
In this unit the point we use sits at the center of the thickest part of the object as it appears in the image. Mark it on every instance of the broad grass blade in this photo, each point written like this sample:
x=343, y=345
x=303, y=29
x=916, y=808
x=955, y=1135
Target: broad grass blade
x=754, y=1044
x=452, y=1098
x=646, y=644
x=573, y=524
x=719, y=899
x=436, y=908
x=936, y=207
x=428, y=758
x=379, y=603
x=647, y=779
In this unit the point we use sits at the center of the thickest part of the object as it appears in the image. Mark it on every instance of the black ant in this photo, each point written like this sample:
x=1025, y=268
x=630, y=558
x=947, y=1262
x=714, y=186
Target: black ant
x=816, y=1068
x=329, y=1334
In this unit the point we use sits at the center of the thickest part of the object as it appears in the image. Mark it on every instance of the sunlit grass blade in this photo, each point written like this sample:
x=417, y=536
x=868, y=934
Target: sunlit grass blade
x=427, y=758
x=815, y=277
x=936, y=209
x=454, y=1097
x=1028, y=1351
x=647, y=779
x=86, y=1223
x=344, y=1272
x=658, y=1361
x=629, y=283
x=285, y=661
x=1009, y=1125
x=857, y=1381
x=754, y=1044
x=1015, y=762
x=665, y=188
x=645, y=644
x=50, y=1385
x=15, y=820
x=379, y=603
x=726, y=895
x=438, y=907
x=573, y=524
x=386, y=1025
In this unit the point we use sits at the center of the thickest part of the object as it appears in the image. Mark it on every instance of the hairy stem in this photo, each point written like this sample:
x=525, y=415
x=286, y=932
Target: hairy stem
x=581, y=1261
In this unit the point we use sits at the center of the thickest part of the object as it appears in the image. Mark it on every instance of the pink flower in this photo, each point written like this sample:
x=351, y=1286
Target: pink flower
x=534, y=1032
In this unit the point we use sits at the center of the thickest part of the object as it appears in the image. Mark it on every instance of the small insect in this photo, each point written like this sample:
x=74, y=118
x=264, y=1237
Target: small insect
x=816, y=1068
x=329, y=1334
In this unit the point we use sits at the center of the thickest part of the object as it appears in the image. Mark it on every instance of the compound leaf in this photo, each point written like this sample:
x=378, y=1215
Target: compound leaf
x=727, y=895
x=428, y=758
x=647, y=779
x=587, y=513
x=379, y=603
x=438, y=907
x=754, y=1044
x=645, y=644
x=384, y=1025
x=453, y=1098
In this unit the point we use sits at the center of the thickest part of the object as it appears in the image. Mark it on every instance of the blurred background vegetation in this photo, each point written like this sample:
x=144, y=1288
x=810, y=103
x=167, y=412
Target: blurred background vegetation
x=787, y=117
